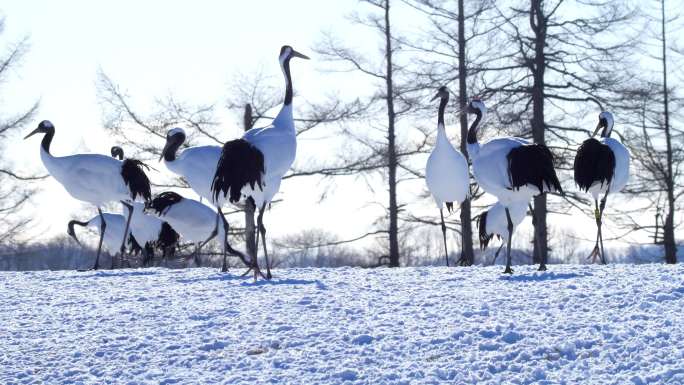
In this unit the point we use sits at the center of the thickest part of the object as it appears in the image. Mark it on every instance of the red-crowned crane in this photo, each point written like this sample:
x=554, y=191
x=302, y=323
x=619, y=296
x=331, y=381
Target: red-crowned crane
x=446, y=172
x=94, y=178
x=153, y=233
x=193, y=220
x=271, y=149
x=511, y=169
x=116, y=223
x=601, y=167
x=149, y=232
x=494, y=222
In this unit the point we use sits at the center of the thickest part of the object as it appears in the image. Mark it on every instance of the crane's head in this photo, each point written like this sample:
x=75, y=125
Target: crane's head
x=117, y=152
x=605, y=122
x=44, y=127
x=442, y=93
x=287, y=53
x=476, y=106
x=174, y=139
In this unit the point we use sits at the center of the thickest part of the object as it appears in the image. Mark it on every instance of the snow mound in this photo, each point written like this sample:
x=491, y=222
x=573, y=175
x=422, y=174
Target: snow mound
x=616, y=324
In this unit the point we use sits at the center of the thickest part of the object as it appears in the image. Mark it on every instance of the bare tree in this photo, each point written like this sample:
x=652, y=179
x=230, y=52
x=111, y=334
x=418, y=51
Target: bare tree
x=394, y=98
x=454, y=48
x=16, y=188
x=562, y=55
x=654, y=107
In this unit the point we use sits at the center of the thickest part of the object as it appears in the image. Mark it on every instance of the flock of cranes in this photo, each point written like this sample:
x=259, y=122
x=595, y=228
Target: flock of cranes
x=514, y=171
x=251, y=169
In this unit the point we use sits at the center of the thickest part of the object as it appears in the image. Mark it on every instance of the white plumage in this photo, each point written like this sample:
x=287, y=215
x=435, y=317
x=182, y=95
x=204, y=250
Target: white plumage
x=114, y=232
x=621, y=176
x=497, y=223
x=277, y=145
x=490, y=169
x=601, y=167
x=197, y=165
x=94, y=178
x=193, y=220
x=145, y=228
x=446, y=171
x=91, y=178
x=511, y=169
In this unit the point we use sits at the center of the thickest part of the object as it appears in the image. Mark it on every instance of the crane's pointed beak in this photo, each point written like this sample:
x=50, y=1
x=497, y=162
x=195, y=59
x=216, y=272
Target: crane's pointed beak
x=37, y=130
x=598, y=127
x=299, y=55
x=435, y=97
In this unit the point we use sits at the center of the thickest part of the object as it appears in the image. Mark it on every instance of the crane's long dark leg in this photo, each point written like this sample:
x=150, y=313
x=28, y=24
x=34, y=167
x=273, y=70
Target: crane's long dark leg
x=262, y=230
x=600, y=223
x=597, y=216
x=227, y=249
x=496, y=255
x=198, y=248
x=446, y=253
x=508, y=248
x=213, y=232
x=103, y=227
x=122, y=250
x=224, y=241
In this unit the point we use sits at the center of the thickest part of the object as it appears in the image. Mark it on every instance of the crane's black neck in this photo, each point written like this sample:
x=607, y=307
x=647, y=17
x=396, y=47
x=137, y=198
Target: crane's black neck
x=47, y=139
x=606, y=131
x=288, y=82
x=440, y=114
x=174, y=143
x=472, y=131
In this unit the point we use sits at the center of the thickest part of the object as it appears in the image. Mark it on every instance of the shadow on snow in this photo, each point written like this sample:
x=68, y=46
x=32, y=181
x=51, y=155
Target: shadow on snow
x=538, y=277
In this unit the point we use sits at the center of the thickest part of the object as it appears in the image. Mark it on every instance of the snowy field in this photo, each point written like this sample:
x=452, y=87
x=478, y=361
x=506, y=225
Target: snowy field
x=616, y=324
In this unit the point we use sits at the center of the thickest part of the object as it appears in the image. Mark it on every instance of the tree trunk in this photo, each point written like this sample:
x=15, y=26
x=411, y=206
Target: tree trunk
x=391, y=150
x=538, y=25
x=670, y=245
x=467, y=255
x=250, y=234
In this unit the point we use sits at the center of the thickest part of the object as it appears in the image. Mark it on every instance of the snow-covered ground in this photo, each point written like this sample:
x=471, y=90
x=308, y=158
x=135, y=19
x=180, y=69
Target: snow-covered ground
x=616, y=324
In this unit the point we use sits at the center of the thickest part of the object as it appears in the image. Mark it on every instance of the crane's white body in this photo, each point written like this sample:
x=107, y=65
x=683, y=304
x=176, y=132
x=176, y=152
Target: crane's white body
x=497, y=223
x=91, y=178
x=278, y=143
x=197, y=165
x=490, y=169
x=446, y=172
x=144, y=227
x=191, y=219
x=114, y=232
x=620, y=174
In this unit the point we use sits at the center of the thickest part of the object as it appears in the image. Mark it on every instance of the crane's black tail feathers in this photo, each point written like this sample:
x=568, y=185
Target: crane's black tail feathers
x=163, y=201
x=241, y=163
x=449, y=206
x=482, y=229
x=168, y=237
x=594, y=162
x=136, y=249
x=533, y=164
x=135, y=178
